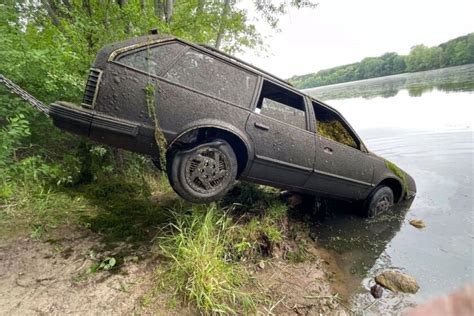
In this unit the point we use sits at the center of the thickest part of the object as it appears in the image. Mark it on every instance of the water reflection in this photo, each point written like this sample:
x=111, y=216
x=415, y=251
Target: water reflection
x=356, y=242
x=413, y=121
x=446, y=80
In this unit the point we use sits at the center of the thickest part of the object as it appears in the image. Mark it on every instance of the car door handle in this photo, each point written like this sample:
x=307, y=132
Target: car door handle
x=328, y=150
x=261, y=126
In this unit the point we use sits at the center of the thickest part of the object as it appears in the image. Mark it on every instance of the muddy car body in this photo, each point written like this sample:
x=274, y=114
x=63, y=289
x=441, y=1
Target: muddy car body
x=224, y=119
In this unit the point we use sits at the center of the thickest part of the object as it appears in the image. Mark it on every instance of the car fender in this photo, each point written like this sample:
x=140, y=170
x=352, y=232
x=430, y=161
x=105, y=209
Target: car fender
x=219, y=125
x=390, y=177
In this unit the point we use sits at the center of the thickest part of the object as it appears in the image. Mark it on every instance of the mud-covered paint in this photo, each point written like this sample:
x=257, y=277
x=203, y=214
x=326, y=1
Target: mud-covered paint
x=145, y=112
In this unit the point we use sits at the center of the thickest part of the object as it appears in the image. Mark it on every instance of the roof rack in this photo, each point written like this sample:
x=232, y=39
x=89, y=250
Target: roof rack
x=245, y=63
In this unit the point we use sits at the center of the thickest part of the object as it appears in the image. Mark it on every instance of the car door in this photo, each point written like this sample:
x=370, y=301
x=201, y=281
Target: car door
x=341, y=168
x=284, y=148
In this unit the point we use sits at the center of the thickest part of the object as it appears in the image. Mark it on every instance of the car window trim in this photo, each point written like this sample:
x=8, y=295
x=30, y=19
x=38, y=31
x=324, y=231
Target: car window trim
x=166, y=67
x=276, y=120
x=257, y=98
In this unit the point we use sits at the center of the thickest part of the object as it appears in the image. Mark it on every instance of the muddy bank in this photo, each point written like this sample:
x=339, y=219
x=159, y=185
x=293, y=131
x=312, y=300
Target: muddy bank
x=67, y=273
x=57, y=276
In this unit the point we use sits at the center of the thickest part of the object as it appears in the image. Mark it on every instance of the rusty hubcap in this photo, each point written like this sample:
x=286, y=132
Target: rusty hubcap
x=384, y=204
x=207, y=170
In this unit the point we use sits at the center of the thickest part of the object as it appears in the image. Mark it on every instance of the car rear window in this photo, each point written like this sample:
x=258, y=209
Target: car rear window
x=153, y=60
x=214, y=77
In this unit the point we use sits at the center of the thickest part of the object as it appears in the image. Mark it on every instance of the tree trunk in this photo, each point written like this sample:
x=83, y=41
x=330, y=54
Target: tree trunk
x=68, y=5
x=200, y=7
x=159, y=9
x=142, y=6
x=169, y=10
x=220, y=32
x=52, y=15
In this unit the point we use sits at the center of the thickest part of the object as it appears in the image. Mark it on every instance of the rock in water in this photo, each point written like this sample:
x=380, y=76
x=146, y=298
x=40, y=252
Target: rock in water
x=418, y=223
x=376, y=291
x=295, y=200
x=397, y=281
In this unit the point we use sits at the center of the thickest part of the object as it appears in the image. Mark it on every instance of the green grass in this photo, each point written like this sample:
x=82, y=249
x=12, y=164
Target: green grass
x=204, y=251
x=201, y=269
x=36, y=210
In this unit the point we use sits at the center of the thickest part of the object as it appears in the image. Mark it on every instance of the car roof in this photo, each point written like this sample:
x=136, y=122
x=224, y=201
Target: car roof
x=111, y=50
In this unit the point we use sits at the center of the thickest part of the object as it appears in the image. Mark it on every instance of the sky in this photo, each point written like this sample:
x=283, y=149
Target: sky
x=339, y=32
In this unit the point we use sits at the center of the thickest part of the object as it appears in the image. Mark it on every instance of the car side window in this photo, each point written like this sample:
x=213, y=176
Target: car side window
x=214, y=77
x=152, y=60
x=281, y=104
x=330, y=125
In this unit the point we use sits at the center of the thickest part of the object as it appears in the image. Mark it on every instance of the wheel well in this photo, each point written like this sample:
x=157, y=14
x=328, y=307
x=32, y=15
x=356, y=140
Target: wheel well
x=396, y=187
x=207, y=133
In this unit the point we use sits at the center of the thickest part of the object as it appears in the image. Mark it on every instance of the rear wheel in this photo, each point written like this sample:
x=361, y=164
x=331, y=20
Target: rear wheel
x=379, y=201
x=204, y=172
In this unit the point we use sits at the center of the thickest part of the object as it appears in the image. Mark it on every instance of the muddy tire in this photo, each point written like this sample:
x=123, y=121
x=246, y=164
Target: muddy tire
x=379, y=201
x=204, y=172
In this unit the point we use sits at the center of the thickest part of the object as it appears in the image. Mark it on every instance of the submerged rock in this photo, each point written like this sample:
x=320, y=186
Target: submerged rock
x=376, y=291
x=397, y=281
x=295, y=199
x=418, y=223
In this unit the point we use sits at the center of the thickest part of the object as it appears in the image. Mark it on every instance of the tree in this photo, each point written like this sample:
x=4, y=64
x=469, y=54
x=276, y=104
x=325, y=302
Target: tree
x=169, y=10
x=222, y=22
x=458, y=51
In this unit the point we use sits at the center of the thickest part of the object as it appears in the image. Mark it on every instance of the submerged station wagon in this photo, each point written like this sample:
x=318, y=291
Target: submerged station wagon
x=223, y=119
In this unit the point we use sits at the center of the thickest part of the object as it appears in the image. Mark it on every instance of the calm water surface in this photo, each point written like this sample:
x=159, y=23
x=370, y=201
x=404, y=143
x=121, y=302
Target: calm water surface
x=423, y=122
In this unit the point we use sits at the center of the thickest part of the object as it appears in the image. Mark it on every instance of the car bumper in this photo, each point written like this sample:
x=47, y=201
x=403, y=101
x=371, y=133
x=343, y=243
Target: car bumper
x=103, y=128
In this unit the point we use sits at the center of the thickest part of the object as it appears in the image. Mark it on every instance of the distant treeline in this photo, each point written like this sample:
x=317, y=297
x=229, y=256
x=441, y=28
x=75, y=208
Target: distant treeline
x=458, y=51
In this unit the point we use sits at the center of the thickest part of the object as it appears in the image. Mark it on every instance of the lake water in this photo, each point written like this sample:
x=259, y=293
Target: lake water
x=424, y=122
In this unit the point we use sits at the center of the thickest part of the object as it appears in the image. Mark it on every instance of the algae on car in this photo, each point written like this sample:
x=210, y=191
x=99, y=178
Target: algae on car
x=333, y=129
x=159, y=136
x=150, y=95
x=398, y=172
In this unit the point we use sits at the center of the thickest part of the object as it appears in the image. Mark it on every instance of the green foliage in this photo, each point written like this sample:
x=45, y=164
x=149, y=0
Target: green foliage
x=49, y=178
x=47, y=48
x=200, y=268
x=11, y=135
x=108, y=263
x=458, y=51
x=260, y=216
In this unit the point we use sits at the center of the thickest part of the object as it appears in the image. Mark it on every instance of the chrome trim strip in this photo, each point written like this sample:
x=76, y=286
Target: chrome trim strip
x=283, y=163
x=343, y=178
x=138, y=45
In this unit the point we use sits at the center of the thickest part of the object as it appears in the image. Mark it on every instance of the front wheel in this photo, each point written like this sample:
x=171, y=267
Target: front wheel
x=204, y=172
x=379, y=201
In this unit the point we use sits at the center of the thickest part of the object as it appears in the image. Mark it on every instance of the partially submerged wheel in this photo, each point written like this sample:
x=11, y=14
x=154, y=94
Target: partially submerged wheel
x=204, y=172
x=379, y=201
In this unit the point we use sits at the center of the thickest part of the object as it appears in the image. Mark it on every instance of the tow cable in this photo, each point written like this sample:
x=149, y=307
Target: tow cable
x=15, y=89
